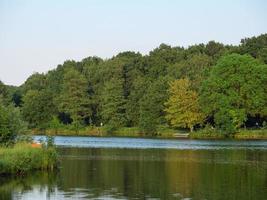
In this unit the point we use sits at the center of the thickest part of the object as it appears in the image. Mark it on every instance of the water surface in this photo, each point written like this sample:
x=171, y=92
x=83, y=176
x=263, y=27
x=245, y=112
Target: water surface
x=142, y=143
x=128, y=168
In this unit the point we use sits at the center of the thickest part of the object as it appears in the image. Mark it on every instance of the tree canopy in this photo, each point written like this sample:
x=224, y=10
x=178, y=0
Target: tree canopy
x=228, y=83
x=182, y=107
x=234, y=90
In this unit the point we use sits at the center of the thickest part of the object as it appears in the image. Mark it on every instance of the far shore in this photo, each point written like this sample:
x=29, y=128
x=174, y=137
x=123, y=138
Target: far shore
x=255, y=134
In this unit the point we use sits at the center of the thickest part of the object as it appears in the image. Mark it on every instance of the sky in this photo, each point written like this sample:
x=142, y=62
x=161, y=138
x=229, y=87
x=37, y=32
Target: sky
x=36, y=36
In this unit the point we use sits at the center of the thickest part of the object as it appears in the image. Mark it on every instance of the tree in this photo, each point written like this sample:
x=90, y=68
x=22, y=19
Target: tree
x=235, y=88
x=152, y=106
x=134, y=87
x=214, y=49
x=55, y=124
x=5, y=134
x=255, y=46
x=74, y=98
x=192, y=68
x=158, y=61
x=138, y=90
x=11, y=123
x=113, y=105
x=38, y=108
x=35, y=82
x=3, y=92
x=182, y=107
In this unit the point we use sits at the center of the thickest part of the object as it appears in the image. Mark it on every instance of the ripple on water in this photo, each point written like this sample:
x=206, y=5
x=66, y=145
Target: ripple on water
x=142, y=143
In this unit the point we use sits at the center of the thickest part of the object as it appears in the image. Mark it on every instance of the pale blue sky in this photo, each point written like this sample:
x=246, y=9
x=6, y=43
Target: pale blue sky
x=35, y=35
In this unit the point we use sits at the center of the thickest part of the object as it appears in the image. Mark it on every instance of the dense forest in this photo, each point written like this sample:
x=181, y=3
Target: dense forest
x=205, y=85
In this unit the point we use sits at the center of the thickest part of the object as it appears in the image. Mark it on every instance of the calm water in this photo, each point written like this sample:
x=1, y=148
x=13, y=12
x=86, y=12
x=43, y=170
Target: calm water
x=125, y=168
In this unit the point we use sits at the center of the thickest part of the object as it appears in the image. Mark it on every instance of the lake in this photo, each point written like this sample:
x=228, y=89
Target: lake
x=134, y=168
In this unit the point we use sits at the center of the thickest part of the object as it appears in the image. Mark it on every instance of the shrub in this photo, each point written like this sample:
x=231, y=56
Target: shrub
x=23, y=158
x=11, y=124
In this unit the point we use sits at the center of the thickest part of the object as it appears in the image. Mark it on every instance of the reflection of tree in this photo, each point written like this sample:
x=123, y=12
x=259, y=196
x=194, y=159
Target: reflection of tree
x=16, y=185
x=164, y=174
x=183, y=172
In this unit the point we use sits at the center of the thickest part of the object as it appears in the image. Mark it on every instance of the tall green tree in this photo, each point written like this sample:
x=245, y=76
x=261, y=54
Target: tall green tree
x=192, y=68
x=214, y=49
x=38, y=108
x=113, y=105
x=36, y=81
x=255, y=46
x=133, y=103
x=152, y=106
x=158, y=61
x=3, y=92
x=235, y=88
x=11, y=123
x=5, y=134
x=74, y=98
x=182, y=107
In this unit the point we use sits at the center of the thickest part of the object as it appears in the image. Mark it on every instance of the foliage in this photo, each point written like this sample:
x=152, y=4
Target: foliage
x=38, y=108
x=11, y=124
x=35, y=82
x=255, y=46
x=152, y=107
x=130, y=89
x=138, y=89
x=3, y=91
x=23, y=158
x=251, y=134
x=182, y=107
x=212, y=133
x=235, y=88
x=55, y=124
x=192, y=68
x=113, y=105
x=74, y=98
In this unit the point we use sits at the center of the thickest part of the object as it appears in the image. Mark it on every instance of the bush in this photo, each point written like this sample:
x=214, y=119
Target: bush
x=55, y=124
x=11, y=124
x=23, y=158
x=208, y=132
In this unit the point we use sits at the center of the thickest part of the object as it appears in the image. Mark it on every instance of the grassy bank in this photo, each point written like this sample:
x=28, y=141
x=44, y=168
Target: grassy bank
x=251, y=134
x=23, y=158
x=241, y=134
x=163, y=132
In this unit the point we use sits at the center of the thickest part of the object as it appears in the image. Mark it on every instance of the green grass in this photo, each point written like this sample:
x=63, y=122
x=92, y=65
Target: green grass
x=102, y=131
x=23, y=158
x=163, y=132
x=241, y=134
x=206, y=135
x=251, y=134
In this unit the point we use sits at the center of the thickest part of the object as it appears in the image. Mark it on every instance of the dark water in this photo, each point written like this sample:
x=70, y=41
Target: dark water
x=123, y=168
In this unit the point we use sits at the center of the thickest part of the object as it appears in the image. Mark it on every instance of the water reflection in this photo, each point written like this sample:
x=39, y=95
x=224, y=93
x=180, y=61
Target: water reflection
x=101, y=173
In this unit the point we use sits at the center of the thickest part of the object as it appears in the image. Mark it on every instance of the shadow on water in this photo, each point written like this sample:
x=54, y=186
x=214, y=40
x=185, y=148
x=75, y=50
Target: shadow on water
x=111, y=173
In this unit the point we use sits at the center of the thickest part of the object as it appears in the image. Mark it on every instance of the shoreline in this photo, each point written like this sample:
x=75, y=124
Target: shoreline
x=260, y=134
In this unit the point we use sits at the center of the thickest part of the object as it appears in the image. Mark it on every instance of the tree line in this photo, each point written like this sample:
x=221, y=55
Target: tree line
x=223, y=86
